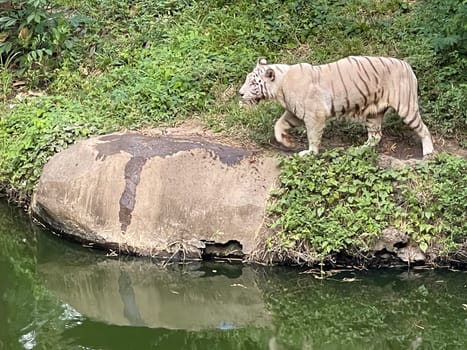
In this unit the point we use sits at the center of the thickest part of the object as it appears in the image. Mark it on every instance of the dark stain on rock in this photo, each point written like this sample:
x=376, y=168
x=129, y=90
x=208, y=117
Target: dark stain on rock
x=128, y=198
x=148, y=147
x=142, y=148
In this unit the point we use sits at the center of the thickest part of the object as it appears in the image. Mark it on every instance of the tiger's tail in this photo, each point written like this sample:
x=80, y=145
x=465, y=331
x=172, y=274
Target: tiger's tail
x=412, y=118
x=409, y=110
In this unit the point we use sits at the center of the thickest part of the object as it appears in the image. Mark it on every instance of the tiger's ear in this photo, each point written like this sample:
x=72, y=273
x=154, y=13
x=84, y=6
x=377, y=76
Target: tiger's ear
x=270, y=74
x=261, y=61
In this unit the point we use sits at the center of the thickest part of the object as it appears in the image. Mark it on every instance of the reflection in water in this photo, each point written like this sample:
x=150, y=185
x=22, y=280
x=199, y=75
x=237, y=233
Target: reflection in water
x=137, y=292
x=130, y=308
x=57, y=295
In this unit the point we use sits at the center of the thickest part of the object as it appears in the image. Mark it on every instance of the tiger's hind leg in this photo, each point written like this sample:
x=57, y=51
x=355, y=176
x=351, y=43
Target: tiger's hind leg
x=285, y=122
x=373, y=126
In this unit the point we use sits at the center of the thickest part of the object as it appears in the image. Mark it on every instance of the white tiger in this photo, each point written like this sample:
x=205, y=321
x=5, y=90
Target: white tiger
x=358, y=87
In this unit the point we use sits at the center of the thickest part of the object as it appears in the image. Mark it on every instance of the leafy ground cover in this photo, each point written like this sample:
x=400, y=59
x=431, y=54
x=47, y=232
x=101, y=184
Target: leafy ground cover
x=341, y=201
x=72, y=69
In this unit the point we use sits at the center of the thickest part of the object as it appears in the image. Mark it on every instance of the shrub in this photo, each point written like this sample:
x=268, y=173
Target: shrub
x=35, y=32
x=444, y=22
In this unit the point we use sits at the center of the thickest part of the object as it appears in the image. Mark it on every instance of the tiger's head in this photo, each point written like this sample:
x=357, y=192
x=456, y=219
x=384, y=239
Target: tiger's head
x=255, y=88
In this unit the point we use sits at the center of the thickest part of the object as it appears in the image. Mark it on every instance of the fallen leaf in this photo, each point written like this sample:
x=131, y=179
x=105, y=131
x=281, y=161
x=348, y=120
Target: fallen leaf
x=347, y=279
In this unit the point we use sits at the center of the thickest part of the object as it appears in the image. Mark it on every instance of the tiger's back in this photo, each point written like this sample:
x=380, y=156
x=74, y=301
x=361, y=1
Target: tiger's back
x=358, y=86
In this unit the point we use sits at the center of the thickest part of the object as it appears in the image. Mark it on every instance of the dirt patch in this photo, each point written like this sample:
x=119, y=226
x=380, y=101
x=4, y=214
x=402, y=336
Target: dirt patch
x=404, y=146
x=195, y=128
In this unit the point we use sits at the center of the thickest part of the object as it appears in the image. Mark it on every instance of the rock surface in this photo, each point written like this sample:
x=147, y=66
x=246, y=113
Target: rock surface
x=157, y=196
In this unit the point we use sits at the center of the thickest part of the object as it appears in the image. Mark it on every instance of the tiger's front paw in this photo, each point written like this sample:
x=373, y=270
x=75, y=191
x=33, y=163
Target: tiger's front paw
x=429, y=156
x=311, y=149
x=304, y=153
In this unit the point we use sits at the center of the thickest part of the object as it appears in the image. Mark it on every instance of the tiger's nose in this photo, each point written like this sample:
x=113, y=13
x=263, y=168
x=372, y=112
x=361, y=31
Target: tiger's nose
x=241, y=93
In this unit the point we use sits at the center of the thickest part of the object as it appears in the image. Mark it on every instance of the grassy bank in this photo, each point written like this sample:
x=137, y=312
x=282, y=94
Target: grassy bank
x=73, y=69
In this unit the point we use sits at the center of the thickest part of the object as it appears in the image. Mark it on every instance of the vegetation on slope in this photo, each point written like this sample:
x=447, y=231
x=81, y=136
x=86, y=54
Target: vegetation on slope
x=341, y=201
x=72, y=69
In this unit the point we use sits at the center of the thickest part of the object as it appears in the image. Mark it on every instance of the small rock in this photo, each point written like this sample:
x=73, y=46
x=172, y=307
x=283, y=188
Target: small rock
x=388, y=162
x=410, y=254
x=390, y=237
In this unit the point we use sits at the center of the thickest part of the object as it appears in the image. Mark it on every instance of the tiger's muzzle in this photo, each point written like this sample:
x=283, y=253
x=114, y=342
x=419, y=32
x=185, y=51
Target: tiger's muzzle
x=248, y=101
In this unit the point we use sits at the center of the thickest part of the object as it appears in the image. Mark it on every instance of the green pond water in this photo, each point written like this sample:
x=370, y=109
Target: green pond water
x=58, y=295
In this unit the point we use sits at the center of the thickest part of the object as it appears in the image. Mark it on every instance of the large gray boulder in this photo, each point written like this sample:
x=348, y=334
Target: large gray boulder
x=164, y=196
